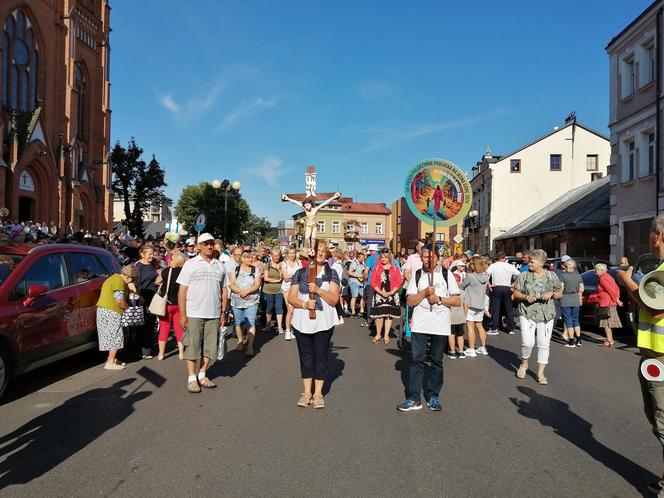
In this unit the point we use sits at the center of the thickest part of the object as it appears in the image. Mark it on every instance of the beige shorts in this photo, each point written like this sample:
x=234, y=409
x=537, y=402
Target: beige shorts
x=201, y=338
x=474, y=315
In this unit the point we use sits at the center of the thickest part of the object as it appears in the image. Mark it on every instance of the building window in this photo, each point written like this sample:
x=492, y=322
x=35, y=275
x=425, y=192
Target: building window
x=81, y=103
x=350, y=227
x=629, y=167
x=555, y=162
x=440, y=237
x=651, y=153
x=321, y=226
x=379, y=229
x=364, y=227
x=627, y=77
x=20, y=63
x=399, y=220
x=336, y=227
x=349, y=247
x=515, y=166
x=592, y=162
x=650, y=52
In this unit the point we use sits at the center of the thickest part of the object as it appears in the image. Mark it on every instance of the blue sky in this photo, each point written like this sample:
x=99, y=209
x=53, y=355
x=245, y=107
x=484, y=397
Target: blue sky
x=257, y=90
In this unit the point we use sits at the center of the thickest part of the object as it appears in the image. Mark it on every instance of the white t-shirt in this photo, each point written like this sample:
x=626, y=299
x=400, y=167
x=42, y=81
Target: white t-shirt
x=438, y=321
x=204, y=282
x=501, y=273
x=326, y=318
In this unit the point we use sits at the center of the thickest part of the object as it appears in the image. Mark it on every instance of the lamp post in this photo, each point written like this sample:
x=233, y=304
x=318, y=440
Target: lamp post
x=472, y=215
x=227, y=186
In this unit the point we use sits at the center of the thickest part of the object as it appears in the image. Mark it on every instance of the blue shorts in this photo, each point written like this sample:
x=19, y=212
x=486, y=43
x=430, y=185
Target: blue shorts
x=245, y=317
x=274, y=303
x=356, y=288
x=570, y=316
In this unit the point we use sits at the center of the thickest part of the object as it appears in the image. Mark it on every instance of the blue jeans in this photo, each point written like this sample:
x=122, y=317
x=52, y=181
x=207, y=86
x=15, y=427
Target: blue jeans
x=245, y=317
x=422, y=378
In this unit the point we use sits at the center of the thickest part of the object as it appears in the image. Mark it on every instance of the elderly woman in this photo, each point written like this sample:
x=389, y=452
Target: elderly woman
x=170, y=289
x=272, y=280
x=607, y=298
x=147, y=282
x=288, y=268
x=245, y=283
x=475, y=285
x=570, y=303
x=535, y=290
x=110, y=306
x=313, y=335
x=386, y=281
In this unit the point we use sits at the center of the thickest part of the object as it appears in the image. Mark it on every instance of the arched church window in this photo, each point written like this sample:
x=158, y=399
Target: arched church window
x=20, y=63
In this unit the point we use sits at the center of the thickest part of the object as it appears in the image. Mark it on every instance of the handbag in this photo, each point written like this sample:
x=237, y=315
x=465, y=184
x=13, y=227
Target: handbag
x=133, y=317
x=158, y=304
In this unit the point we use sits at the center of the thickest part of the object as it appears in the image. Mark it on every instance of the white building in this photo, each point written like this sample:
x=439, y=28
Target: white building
x=509, y=188
x=158, y=212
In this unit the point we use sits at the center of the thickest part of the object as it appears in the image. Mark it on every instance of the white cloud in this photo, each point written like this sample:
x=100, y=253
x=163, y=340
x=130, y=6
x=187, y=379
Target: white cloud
x=244, y=111
x=386, y=135
x=375, y=90
x=192, y=110
x=269, y=170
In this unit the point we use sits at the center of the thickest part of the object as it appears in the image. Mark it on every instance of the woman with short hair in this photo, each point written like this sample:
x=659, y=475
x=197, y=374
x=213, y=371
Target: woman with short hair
x=608, y=299
x=289, y=266
x=147, y=282
x=110, y=306
x=245, y=283
x=570, y=303
x=535, y=290
x=475, y=285
x=272, y=280
x=169, y=289
x=313, y=335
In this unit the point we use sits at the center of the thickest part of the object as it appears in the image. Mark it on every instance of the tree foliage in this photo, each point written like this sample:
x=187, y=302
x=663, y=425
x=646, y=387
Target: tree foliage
x=137, y=182
x=256, y=229
x=203, y=198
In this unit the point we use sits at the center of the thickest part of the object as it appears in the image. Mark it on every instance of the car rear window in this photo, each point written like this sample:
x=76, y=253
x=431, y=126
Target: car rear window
x=8, y=262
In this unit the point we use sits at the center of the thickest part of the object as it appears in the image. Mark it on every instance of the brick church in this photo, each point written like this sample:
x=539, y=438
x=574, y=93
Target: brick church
x=55, y=112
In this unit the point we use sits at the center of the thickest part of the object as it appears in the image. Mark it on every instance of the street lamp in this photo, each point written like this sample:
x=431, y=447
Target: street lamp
x=226, y=186
x=472, y=215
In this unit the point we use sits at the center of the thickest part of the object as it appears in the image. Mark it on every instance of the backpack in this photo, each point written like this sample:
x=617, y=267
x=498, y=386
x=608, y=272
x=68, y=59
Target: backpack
x=252, y=273
x=327, y=272
x=418, y=274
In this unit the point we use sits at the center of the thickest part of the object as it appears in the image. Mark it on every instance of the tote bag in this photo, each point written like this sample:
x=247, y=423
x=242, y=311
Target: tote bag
x=133, y=317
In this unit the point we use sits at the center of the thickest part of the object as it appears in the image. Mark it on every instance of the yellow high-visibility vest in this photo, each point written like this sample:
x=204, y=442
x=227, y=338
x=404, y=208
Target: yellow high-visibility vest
x=651, y=331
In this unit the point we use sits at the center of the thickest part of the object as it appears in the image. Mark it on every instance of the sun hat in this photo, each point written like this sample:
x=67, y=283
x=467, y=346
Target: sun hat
x=565, y=258
x=372, y=247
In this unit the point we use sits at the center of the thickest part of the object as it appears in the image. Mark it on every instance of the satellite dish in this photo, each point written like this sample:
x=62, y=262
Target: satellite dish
x=4, y=212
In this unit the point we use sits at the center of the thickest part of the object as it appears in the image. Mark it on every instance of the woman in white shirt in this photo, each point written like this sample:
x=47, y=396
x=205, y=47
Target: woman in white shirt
x=288, y=268
x=313, y=335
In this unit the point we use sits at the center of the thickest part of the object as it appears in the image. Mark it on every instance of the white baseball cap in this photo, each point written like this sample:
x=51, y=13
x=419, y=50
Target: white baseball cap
x=372, y=247
x=456, y=263
x=204, y=237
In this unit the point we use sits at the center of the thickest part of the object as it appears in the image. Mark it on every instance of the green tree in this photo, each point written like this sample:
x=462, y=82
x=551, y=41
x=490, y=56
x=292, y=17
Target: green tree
x=203, y=198
x=256, y=229
x=137, y=182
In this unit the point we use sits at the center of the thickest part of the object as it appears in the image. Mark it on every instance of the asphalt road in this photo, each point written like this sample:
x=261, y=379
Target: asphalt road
x=74, y=429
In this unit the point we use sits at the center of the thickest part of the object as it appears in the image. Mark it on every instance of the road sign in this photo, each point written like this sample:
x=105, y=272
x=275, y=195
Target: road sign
x=458, y=248
x=458, y=238
x=199, y=224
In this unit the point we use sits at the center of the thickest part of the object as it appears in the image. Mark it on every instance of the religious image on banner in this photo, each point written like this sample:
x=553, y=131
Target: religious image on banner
x=438, y=189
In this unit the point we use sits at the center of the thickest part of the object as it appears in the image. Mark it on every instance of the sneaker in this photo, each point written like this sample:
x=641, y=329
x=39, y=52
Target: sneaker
x=577, y=342
x=510, y=332
x=482, y=350
x=281, y=331
x=434, y=404
x=460, y=355
x=267, y=328
x=288, y=336
x=249, y=352
x=570, y=344
x=470, y=352
x=492, y=332
x=409, y=405
x=113, y=366
x=451, y=355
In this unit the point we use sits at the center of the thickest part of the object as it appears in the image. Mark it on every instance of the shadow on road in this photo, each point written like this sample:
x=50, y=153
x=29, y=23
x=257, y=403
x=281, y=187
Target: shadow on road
x=234, y=361
x=50, y=439
x=335, y=367
x=578, y=431
x=509, y=360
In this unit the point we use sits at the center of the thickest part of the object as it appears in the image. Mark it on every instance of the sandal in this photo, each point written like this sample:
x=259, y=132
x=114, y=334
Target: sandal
x=606, y=344
x=193, y=387
x=318, y=402
x=386, y=340
x=305, y=400
x=205, y=382
x=160, y=357
x=376, y=340
x=543, y=380
x=521, y=372
x=121, y=363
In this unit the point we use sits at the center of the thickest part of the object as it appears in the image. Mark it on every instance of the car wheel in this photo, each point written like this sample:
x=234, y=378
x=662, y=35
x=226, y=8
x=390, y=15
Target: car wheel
x=4, y=371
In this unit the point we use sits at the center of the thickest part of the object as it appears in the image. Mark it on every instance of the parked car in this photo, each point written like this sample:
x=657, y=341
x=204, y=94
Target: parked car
x=48, y=296
x=583, y=264
x=588, y=312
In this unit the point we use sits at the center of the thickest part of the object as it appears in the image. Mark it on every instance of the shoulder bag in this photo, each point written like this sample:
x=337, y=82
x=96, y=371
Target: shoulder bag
x=158, y=304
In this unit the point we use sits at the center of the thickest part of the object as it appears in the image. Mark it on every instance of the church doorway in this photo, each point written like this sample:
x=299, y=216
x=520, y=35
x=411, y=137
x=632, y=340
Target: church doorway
x=26, y=209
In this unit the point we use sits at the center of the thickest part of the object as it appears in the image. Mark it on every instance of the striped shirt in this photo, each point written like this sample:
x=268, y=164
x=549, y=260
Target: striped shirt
x=204, y=282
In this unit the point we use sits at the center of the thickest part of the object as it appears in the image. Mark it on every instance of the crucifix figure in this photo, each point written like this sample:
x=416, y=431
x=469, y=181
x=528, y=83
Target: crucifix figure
x=310, y=210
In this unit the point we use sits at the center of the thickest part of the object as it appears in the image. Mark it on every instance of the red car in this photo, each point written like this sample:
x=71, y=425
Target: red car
x=48, y=297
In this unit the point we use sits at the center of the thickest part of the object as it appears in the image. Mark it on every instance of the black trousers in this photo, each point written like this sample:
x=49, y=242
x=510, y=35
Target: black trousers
x=313, y=350
x=501, y=297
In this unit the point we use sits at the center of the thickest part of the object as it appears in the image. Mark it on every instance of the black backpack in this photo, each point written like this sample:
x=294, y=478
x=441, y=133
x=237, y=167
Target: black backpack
x=237, y=271
x=418, y=274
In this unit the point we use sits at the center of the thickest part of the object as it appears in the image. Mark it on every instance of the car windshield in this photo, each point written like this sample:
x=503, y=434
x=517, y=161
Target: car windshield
x=8, y=262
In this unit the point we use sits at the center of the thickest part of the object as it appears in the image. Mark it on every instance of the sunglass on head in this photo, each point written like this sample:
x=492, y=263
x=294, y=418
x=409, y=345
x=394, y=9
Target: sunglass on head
x=385, y=251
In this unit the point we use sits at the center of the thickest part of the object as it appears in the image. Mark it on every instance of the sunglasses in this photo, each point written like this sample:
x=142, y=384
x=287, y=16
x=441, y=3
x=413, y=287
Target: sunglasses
x=208, y=243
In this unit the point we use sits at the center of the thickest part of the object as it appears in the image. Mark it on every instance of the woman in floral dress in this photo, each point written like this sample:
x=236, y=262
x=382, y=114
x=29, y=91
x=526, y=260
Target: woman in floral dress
x=386, y=281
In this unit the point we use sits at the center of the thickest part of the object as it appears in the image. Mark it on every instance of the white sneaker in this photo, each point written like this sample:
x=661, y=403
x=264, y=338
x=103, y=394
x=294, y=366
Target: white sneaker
x=281, y=331
x=341, y=321
x=288, y=335
x=470, y=352
x=492, y=332
x=482, y=350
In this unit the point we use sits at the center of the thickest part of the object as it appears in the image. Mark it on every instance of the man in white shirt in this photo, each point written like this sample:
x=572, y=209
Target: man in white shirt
x=431, y=302
x=202, y=302
x=502, y=275
x=413, y=263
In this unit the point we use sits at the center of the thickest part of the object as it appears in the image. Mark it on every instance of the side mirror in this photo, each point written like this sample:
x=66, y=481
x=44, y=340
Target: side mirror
x=34, y=291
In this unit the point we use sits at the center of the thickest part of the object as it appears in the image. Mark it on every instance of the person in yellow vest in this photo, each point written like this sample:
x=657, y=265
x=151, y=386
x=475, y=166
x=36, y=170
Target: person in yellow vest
x=650, y=340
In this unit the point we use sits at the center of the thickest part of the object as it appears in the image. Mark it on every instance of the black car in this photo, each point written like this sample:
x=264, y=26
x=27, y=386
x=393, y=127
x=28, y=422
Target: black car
x=588, y=312
x=583, y=264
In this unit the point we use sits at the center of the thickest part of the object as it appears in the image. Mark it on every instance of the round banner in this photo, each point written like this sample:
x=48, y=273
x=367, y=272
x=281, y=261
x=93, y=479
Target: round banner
x=438, y=188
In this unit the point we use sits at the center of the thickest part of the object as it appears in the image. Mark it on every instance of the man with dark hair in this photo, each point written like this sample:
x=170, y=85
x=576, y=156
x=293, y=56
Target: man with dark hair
x=502, y=275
